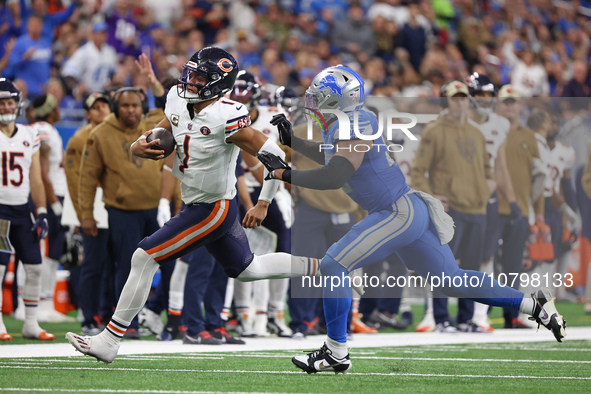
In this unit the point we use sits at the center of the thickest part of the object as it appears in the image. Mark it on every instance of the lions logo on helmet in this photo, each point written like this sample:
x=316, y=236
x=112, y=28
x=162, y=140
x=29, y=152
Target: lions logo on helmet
x=336, y=87
x=213, y=65
x=8, y=90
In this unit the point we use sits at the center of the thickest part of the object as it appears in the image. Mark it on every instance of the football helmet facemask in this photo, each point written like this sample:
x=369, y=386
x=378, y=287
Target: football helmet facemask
x=216, y=67
x=285, y=98
x=246, y=89
x=8, y=90
x=481, y=84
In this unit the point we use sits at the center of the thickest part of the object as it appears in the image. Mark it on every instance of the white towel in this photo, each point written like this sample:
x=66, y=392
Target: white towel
x=444, y=224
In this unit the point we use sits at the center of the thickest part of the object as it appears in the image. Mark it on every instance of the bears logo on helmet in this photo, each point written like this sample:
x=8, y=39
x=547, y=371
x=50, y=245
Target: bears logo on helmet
x=216, y=67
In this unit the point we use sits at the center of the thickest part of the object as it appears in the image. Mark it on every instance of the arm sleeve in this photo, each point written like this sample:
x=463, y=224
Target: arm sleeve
x=62, y=17
x=422, y=162
x=270, y=186
x=91, y=168
x=332, y=176
x=310, y=149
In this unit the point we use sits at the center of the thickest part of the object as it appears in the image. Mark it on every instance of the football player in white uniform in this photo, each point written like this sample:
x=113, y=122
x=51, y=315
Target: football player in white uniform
x=270, y=296
x=209, y=131
x=483, y=98
x=19, y=234
x=46, y=110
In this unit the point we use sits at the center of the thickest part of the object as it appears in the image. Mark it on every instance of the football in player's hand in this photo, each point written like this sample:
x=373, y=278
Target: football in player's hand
x=166, y=143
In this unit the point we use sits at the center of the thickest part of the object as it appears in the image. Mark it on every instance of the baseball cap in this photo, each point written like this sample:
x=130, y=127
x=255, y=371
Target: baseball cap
x=99, y=27
x=456, y=87
x=92, y=98
x=508, y=92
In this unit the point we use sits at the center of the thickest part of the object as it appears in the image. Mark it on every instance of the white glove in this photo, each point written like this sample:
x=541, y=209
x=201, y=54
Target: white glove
x=57, y=208
x=571, y=217
x=163, y=215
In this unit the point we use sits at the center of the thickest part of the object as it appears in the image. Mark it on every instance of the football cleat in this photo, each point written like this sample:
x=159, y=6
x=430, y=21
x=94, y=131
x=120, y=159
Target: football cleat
x=203, y=338
x=36, y=332
x=276, y=325
x=225, y=337
x=470, y=326
x=427, y=324
x=260, y=325
x=322, y=361
x=446, y=328
x=359, y=327
x=96, y=346
x=545, y=313
x=5, y=337
x=151, y=320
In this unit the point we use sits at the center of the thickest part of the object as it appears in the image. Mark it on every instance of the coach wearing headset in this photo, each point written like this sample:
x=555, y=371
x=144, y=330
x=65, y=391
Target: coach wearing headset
x=131, y=185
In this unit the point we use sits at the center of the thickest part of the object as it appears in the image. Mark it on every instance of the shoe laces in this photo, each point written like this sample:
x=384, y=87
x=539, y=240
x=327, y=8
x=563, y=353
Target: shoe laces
x=222, y=330
x=318, y=353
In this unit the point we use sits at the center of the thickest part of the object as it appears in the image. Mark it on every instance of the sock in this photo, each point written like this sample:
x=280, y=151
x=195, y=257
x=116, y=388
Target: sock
x=527, y=305
x=134, y=293
x=48, y=280
x=278, y=293
x=260, y=295
x=2, y=272
x=338, y=349
x=228, y=299
x=177, y=288
x=279, y=265
x=336, y=299
x=31, y=293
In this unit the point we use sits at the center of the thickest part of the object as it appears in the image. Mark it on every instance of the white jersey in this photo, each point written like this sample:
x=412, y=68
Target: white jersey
x=545, y=157
x=50, y=136
x=405, y=158
x=494, y=130
x=205, y=163
x=562, y=158
x=15, y=159
x=263, y=124
x=92, y=66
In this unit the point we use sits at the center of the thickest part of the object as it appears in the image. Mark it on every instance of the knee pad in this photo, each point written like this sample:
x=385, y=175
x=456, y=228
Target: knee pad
x=331, y=267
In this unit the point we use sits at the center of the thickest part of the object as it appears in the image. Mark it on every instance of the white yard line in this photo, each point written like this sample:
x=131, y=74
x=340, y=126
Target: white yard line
x=231, y=371
x=268, y=344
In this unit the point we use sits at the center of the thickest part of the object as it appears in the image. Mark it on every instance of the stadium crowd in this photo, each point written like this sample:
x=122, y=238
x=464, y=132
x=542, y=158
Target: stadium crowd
x=74, y=50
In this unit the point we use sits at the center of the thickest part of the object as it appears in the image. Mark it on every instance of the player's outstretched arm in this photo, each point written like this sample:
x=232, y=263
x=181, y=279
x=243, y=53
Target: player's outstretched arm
x=332, y=176
x=142, y=148
x=310, y=149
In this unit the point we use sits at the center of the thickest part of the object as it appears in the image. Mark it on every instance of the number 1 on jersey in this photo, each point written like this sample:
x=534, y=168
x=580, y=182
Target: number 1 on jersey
x=185, y=163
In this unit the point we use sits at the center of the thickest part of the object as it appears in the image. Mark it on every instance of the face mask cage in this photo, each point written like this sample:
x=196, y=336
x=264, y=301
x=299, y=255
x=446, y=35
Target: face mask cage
x=190, y=74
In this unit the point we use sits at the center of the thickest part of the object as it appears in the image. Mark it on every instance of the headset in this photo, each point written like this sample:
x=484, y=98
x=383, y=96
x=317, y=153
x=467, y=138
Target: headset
x=119, y=92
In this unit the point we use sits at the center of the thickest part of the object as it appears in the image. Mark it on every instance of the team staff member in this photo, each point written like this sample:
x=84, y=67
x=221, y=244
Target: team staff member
x=96, y=248
x=527, y=173
x=451, y=146
x=131, y=185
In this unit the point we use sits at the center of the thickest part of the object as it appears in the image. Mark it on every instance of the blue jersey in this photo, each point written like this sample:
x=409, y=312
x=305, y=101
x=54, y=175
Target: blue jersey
x=378, y=183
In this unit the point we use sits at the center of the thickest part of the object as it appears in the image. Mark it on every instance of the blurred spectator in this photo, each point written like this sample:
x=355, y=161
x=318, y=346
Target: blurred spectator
x=414, y=38
x=121, y=27
x=210, y=16
x=165, y=12
x=91, y=66
x=31, y=57
x=354, y=35
x=580, y=84
x=54, y=19
x=10, y=25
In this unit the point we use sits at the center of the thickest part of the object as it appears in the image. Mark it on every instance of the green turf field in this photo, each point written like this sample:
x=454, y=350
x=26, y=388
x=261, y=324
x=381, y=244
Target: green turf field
x=531, y=367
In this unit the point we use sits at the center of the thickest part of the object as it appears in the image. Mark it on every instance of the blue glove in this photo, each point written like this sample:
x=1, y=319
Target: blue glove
x=516, y=213
x=41, y=226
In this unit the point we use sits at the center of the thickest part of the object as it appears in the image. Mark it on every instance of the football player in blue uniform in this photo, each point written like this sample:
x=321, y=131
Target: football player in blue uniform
x=410, y=223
